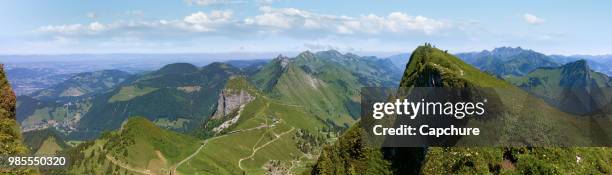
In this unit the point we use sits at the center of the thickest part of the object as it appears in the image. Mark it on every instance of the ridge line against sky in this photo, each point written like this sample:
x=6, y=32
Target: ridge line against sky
x=222, y=26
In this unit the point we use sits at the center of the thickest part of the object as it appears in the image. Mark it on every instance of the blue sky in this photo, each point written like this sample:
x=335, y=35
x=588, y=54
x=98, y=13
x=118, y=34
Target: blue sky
x=382, y=26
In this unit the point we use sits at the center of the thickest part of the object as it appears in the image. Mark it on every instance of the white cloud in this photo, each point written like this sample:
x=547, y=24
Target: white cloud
x=532, y=19
x=395, y=22
x=96, y=26
x=207, y=22
x=281, y=22
x=195, y=22
x=74, y=29
x=213, y=2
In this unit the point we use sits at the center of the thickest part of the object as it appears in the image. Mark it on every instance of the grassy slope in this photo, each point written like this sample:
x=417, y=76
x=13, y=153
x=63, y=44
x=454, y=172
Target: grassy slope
x=45, y=142
x=255, y=130
x=139, y=145
x=49, y=147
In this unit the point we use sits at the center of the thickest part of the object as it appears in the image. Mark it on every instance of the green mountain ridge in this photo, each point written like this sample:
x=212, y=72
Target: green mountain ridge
x=325, y=82
x=176, y=97
x=572, y=87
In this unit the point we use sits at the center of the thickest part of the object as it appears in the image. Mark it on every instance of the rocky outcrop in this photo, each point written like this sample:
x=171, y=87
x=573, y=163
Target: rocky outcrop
x=230, y=100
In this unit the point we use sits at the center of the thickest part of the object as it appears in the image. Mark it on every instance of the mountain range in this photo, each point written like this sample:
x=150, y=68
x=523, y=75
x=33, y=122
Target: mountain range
x=286, y=107
x=432, y=67
x=572, y=87
x=517, y=61
x=277, y=116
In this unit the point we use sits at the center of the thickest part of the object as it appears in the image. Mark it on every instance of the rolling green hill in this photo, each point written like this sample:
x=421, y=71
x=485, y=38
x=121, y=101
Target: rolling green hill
x=431, y=67
x=505, y=61
x=138, y=147
x=573, y=87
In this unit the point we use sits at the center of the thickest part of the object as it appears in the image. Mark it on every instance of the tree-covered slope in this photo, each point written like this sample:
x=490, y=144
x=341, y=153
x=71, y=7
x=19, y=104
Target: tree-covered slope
x=176, y=97
x=10, y=137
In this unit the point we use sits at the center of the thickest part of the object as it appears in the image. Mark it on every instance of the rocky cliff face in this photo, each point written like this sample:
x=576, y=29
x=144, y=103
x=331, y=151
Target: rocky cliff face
x=230, y=100
x=575, y=74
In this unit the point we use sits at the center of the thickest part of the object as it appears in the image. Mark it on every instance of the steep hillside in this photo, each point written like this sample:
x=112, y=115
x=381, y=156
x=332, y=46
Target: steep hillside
x=505, y=61
x=266, y=78
x=83, y=84
x=326, y=82
x=177, y=97
x=431, y=67
x=573, y=87
x=10, y=137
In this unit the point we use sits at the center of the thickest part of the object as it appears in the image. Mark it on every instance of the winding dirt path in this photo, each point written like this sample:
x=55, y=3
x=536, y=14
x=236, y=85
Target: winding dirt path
x=173, y=168
x=126, y=166
x=262, y=146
